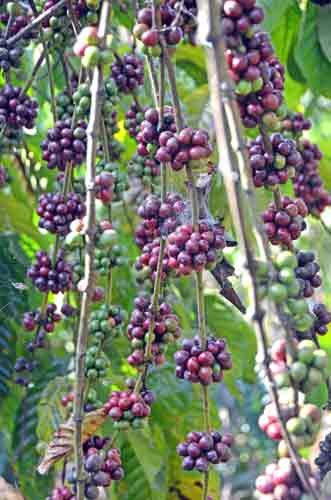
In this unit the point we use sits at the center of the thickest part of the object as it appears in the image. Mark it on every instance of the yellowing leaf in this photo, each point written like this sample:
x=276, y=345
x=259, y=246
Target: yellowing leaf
x=62, y=444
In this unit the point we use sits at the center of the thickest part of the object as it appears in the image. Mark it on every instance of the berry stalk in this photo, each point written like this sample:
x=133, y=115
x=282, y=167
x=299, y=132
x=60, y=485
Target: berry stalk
x=92, y=133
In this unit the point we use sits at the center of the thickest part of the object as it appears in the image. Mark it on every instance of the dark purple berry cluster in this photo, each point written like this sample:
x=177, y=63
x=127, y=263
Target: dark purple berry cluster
x=294, y=124
x=128, y=73
x=307, y=273
x=202, y=365
x=49, y=277
x=133, y=119
x=102, y=467
x=166, y=330
x=322, y=319
x=308, y=184
x=17, y=110
x=150, y=129
x=189, y=250
x=258, y=75
x=179, y=149
x=57, y=211
x=61, y=493
x=159, y=218
x=9, y=57
x=280, y=480
x=285, y=224
x=323, y=460
x=271, y=169
x=34, y=319
x=127, y=408
x=146, y=263
x=201, y=449
x=149, y=35
x=65, y=144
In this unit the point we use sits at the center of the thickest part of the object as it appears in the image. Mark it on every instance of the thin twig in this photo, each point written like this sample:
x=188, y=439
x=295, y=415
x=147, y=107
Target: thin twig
x=35, y=70
x=82, y=340
x=36, y=22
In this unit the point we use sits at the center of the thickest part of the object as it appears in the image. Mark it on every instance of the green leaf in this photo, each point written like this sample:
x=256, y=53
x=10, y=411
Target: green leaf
x=274, y=11
x=323, y=27
x=311, y=60
x=50, y=411
x=224, y=321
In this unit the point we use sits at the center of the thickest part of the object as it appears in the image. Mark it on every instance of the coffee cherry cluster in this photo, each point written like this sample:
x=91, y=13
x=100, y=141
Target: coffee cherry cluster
x=82, y=100
x=285, y=224
x=258, y=75
x=280, y=480
x=308, y=273
x=61, y=493
x=323, y=461
x=146, y=264
x=128, y=73
x=146, y=169
x=56, y=28
x=158, y=218
x=308, y=184
x=201, y=449
x=49, y=277
x=179, y=149
x=34, y=319
x=133, y=119
x=150, y=129
x=9, y=57
x=166, y=330
x=202, y=365
x=88, y=48
x=24, y=368
x=189, y=250
x=17, y=109
x=294, y=124
x=101, y=470
x=288, y=291
x=57, y=211
x=104, y=321
x=64, y=106
x=302, y=426
x=119, y=184
x=20, y=18
x=308, y=368
x=322, y=319
x=272, y=169
x=128, y=409
x=187, y=13
x=65, y=144
x=149, y=35
x=108, y=253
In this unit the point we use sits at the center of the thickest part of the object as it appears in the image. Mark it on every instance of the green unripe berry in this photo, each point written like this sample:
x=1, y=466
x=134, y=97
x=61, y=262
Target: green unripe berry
x=296, y=426
x=278, y=293
x=297, y=307
x=315, y=377
x=320, y=359
x=306, y=350
x=304, y=323
x=108, y=238
x=298, y=371
x=92, y=56
x=286, y=275
x=243, y=87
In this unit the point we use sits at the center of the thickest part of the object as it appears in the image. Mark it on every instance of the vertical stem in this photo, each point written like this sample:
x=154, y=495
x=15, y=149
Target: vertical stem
x=82, y=340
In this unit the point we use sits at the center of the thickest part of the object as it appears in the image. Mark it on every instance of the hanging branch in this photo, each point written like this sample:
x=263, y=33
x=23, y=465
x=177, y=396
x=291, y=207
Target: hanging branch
x=35, y=70
x=36, y=22
x=92, y=137
x=221, y=91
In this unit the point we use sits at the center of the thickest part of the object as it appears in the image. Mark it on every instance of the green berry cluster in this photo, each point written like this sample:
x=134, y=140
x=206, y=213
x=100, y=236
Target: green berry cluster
x=286, y=290
x=307, y=367
x=104, y=322
x=146, y=169
x=120, y=180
